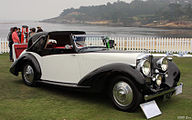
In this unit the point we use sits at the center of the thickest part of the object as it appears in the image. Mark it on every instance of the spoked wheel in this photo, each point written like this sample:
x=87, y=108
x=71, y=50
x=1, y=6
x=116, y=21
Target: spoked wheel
x=28, y=75
x=124, y=94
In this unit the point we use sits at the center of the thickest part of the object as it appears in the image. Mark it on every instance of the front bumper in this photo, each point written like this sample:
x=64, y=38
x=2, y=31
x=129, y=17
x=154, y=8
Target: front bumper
x=172, y=90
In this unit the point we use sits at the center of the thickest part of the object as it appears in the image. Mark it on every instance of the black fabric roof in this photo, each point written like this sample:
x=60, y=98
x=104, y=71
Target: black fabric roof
x=66, y=32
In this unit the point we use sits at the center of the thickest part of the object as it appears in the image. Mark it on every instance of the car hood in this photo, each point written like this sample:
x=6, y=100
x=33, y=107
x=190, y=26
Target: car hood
x=113, y=56
x=93, y=60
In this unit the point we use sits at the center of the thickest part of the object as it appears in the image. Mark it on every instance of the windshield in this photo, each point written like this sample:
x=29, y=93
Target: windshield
x=90, y=42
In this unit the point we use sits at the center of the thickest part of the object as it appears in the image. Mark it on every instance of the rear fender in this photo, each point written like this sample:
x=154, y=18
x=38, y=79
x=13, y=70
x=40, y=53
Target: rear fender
x=18, y=64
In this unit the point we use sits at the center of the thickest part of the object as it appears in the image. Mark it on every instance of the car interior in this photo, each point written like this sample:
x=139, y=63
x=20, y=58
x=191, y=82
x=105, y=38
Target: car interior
x=54, y=44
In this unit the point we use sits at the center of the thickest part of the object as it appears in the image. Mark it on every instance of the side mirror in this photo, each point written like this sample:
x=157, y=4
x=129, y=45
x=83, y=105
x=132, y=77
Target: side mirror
x=109, y=43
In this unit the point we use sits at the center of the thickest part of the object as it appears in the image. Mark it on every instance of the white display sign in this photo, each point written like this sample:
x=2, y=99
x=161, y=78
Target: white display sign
x=178, y=89
x=150, y=109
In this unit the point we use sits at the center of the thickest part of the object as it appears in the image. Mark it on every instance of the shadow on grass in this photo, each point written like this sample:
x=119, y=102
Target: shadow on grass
x=74, y=93
x=18, y=82
x=82, y=95
x=99, y=98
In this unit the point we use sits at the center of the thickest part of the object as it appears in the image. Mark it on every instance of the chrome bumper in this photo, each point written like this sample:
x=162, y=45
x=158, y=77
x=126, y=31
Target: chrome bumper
x=148, y=97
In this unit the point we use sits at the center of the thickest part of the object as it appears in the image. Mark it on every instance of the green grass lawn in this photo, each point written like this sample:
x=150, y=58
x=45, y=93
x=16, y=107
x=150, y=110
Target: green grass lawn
x=20, y=102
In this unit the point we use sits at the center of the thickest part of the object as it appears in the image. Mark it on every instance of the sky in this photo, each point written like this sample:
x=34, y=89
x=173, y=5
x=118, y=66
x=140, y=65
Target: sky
x=41, y=9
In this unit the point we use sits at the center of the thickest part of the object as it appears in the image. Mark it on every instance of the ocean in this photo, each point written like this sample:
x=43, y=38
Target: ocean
x=96, y=29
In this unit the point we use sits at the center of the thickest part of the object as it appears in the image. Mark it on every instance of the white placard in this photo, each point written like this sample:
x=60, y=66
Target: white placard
x=178, y=89
x=150, y=109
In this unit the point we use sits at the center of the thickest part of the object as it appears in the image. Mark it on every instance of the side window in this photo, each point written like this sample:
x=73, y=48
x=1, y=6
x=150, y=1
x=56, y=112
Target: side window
x=38, y=47
x=51, y=43
x=58, y=44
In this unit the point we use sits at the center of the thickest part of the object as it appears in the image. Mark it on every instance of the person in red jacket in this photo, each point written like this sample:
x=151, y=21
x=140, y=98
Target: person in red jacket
x=15, y=36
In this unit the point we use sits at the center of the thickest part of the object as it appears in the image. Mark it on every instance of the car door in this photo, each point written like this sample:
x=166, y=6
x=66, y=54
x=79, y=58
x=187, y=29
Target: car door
x=61, y=68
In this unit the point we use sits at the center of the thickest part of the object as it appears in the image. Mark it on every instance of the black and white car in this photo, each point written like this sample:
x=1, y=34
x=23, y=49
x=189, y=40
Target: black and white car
x=74, y=59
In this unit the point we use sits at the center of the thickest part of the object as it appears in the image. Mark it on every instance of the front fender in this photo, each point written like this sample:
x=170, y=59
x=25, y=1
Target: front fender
x=17, y=66
x=99, y=78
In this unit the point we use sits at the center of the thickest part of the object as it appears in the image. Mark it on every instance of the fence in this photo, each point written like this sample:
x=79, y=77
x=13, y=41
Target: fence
x=154, y=44
x=4, y=45
x=151, y=44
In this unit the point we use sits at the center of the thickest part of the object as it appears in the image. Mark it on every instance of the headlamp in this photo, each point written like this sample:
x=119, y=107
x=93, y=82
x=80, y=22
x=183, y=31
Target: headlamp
x=163, y=63
x=145, y=67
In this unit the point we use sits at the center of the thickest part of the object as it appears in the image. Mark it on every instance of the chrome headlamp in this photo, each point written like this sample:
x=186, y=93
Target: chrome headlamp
x=163, y=63
x=158, y=80
x=145, y=67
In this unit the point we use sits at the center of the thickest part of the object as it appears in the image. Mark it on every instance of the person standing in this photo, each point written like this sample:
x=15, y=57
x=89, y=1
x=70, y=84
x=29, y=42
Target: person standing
x=19, y=34
x=39, y=29
x=32, y=32
x=9, y=38
x=15, y=36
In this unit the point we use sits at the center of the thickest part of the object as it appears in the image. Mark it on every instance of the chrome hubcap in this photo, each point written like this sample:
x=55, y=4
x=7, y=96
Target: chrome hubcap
x=28, y=73
x=122, y=93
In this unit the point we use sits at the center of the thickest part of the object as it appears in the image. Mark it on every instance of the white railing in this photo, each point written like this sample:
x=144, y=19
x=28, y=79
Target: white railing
x=151, y=44
x=4, y=45
x=154, y=44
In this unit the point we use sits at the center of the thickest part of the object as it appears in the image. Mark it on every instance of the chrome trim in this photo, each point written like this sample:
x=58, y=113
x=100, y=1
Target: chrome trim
x=170, y=58
x=140, y=67
x=160, y=63
x=122, y=93
x=63, y=84
x=143, y=56
x=148, y=97
x=28, y=73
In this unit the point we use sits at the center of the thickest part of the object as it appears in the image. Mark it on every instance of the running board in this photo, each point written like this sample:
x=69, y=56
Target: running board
x=63, y=84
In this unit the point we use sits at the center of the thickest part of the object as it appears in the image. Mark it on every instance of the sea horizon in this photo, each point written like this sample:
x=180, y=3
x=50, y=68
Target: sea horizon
x=5, y=26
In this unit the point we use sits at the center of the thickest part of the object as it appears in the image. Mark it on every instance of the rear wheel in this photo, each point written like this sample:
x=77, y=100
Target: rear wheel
x=124, y=94
x=28, y=75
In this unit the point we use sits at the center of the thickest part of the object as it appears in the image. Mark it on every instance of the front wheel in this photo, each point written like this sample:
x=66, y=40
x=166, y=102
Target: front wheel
x=28, y=75
x=124, y=94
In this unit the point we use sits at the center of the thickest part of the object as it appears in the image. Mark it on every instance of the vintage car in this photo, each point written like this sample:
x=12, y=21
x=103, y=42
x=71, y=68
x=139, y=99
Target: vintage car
x=74, y=59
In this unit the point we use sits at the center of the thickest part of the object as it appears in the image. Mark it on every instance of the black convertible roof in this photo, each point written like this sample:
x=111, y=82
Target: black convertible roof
x=59, y=33
x=66, y=32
